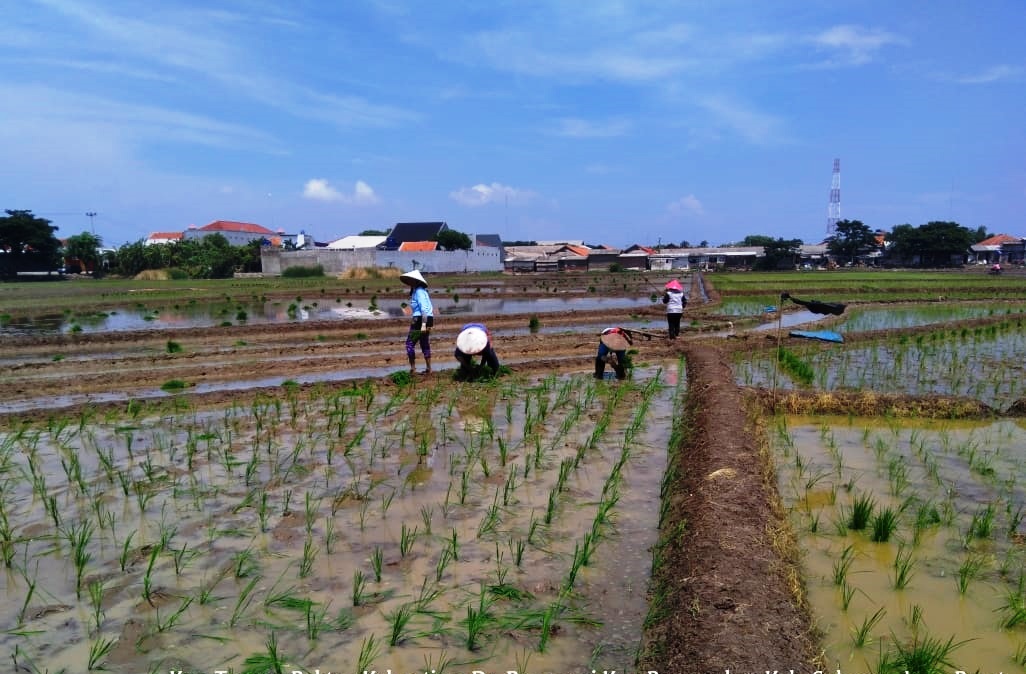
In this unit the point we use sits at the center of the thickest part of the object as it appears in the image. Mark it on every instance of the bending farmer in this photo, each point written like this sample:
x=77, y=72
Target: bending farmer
x=475, y=339
x=612, y=350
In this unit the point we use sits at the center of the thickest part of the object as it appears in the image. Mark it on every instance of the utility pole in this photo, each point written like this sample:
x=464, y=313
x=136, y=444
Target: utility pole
x=91, y=215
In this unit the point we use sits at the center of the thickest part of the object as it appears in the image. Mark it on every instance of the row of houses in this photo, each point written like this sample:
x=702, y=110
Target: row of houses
x=575, y=256
x=420, y=239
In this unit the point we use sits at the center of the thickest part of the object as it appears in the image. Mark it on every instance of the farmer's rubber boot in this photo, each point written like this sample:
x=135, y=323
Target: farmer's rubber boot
x=600, y=368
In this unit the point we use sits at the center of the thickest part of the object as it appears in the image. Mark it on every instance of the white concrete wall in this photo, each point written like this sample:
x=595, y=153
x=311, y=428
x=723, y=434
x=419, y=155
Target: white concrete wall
x=274, y=262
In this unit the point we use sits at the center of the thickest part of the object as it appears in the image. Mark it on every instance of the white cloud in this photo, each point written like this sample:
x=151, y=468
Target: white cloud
x=684, y=205
x=992, y=74
x=583, y=128
x=855, y=45
x=364, y=194
x=318, y=189
x=496, y=193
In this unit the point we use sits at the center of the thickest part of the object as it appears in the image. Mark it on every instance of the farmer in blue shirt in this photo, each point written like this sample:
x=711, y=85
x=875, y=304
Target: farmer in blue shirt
x=423, y=318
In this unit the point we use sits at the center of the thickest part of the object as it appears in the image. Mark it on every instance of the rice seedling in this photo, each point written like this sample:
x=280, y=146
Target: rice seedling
x=843, y=564
x=407, y=537
x=477, y=620
x=922, y=654
x=982, y=524
x=885, y=523
x=861, y=511
x=268, y=662
x=309, y=555
x=377, y=560
x=359, y=596
x=98, y=651
x=847, y=592
x=903, y=566
x=860, y=635
x=398, y=621
x=369, y=650
x=968, y=570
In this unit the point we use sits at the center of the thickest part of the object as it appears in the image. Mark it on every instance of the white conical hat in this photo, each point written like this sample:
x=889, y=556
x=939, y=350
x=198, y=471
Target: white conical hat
x=472, y=341
x=412, y=278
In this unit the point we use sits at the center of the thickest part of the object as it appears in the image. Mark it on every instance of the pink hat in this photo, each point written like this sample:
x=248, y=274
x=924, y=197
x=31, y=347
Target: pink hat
x=674, y=285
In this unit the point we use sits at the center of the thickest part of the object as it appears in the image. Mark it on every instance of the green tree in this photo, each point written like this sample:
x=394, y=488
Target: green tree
x=850, y=238
x=756, y=240
x=980, y=234
x=84, y=247
x=450, y=239
x=935, y=244
x=373, y=232
x=27, y=243
x=780, y=254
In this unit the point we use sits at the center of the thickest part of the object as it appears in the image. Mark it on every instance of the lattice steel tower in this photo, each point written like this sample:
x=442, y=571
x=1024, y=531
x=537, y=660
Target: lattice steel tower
x=834, y=209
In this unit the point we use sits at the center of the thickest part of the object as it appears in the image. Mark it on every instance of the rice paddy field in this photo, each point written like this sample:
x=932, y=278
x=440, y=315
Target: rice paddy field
x=279, y=494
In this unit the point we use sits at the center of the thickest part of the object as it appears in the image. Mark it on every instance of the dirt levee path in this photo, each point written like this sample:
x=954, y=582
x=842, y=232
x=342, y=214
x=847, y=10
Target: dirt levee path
x=725, y=588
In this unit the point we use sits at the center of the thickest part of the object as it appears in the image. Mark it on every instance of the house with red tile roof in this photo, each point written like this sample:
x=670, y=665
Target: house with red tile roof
x=241, y=233
x=417, y=246
x=162, y=237
x=999, y=248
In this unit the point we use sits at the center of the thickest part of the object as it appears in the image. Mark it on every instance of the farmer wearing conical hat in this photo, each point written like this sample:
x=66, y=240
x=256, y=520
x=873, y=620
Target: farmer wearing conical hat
x=475, y=339
x=675, y=302
x=422, y=319
x=612, y=350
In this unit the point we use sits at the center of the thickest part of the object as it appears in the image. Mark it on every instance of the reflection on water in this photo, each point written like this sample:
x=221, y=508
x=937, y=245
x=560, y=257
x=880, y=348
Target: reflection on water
x=202, y=316
x=956, y=491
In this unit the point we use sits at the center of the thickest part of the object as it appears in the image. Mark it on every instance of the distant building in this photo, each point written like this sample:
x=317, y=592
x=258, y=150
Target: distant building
x=241, y=233
x=411, y=231
x=356, y=242
x=999, y=248
x=162, y=237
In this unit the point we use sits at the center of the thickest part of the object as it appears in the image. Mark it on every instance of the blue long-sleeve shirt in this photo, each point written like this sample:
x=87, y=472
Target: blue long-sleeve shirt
x=420, y=303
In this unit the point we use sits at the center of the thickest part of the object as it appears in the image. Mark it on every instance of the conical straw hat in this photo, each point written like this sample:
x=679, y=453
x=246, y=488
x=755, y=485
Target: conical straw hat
x=413, y=278
x=472, y=341
x=614, y=341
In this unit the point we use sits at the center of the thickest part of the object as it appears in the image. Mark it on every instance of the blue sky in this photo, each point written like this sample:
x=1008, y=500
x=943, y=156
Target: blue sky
x=612, y=122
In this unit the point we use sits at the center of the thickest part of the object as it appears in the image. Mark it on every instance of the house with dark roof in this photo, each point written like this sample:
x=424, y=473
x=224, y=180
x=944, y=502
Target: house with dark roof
x=490, y=241
x=412, y=231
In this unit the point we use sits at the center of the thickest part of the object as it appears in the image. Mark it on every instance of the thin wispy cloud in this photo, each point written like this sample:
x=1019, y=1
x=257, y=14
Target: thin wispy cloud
x=146, y=123
x=495, y=193
x=998, y=73
x=853, y=45
x=318, y=189
x=573, y=127
x=756, y=127
x=689, y=205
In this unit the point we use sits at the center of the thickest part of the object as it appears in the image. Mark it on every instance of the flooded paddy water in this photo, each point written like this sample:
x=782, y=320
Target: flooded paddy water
x=413, y=528
x=912, y=538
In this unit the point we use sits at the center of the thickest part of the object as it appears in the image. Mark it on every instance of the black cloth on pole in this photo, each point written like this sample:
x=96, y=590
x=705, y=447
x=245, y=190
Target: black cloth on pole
x=815, y=306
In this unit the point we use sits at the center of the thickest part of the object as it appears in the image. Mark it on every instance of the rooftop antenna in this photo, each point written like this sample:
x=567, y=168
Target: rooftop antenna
x=91, y=215
x=834, y=209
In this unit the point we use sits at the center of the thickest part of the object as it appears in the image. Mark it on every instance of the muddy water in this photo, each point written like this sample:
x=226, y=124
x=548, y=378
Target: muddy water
x=951, y=473
x=236, y=524
x=983, y=363
x=208, y=315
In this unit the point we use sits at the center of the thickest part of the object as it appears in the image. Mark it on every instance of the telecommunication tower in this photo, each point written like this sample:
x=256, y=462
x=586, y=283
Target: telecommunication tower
x=834, y=209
